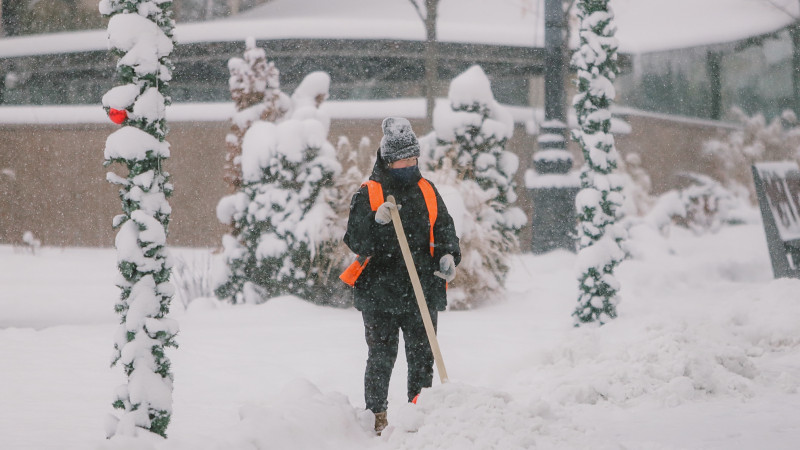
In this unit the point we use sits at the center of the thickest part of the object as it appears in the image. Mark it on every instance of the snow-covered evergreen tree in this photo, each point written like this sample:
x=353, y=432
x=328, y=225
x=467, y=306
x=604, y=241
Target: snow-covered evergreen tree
x=600, y=197
x=255, y=89
x=467, y=151
x=285, y=209
x=254, y=84
x=140, y=33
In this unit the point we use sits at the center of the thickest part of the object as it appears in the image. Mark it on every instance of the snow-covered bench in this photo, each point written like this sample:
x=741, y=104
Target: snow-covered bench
x=778, y=189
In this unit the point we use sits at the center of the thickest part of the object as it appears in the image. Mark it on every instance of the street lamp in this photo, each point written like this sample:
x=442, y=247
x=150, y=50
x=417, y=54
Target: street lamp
x=549, y=181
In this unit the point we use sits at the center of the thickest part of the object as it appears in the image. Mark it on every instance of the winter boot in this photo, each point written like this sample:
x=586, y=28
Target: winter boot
x=380, y=422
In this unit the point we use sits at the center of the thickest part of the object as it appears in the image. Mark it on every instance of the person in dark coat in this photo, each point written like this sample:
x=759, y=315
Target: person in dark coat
x=383, y=291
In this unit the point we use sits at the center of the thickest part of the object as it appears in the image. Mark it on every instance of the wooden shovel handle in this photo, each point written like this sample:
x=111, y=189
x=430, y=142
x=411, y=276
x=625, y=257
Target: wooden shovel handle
x=423, y=305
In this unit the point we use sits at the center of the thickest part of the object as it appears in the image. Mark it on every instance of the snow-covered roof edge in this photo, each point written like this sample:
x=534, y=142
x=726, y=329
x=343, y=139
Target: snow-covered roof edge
x=644, y=26
x=628, y=111
x=230, y=31
x=412, y=108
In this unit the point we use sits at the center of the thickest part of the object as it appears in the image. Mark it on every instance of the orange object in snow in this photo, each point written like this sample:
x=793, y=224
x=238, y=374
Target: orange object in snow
x=353, y=271
x=415, y=399
x=117, y=115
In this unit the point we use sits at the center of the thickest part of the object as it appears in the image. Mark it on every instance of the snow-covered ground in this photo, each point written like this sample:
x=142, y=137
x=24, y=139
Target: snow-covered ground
x=705, y=355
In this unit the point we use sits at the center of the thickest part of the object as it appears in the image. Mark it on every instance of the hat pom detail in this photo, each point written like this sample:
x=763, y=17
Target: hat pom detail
x=399, y=141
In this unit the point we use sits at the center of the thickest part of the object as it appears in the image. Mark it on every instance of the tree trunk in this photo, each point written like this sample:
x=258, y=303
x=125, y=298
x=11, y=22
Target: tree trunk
x=233, y=6
x=209, y=9
x=431, y=69
x=794, y=32
x=11, y=13
x=714, y=68
x=555, y=62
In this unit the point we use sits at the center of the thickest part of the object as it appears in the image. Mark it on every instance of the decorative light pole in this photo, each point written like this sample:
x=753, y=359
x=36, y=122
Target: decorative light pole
x=552, y=187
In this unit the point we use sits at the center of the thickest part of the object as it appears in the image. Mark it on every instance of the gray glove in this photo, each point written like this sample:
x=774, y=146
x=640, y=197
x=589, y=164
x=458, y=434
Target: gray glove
x=384, y=213
x=447, y=268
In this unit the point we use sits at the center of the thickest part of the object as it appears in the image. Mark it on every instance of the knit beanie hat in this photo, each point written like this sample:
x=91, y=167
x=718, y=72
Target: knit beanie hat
x=399, y=141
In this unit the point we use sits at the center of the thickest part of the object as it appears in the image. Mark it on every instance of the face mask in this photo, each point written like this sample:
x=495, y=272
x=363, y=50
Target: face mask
x=405, y=175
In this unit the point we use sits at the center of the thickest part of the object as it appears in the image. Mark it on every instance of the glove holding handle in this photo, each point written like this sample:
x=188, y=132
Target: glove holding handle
x=383, y=214
x=447, y=268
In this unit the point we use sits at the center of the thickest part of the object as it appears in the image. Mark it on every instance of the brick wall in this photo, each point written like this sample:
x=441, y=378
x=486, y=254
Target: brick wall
x=52, y=179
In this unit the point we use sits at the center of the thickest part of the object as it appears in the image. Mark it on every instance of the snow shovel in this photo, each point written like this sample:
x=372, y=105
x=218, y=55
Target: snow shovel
x=423, y=306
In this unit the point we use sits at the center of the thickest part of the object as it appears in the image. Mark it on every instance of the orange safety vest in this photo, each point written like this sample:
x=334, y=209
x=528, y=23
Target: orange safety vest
x=375, y=190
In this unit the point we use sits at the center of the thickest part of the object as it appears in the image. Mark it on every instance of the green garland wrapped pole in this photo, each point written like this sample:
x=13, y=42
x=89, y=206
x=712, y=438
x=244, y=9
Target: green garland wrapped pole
x=600, y=197
x=140, y=34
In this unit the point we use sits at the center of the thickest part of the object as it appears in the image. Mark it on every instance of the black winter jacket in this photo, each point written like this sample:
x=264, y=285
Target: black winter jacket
x=385, y=285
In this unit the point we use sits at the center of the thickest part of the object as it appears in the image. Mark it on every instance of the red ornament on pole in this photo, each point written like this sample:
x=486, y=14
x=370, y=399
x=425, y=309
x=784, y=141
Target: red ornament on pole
x=117, y=115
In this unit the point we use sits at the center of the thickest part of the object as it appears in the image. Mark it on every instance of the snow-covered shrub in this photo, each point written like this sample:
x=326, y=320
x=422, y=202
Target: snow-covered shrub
x=665, y=209
x=636, y=186
x=343, y=189
x=140, y=33
x=467, y=151
x=352, y=173
x=285, y=208
x=703, y=205
x=192, y=277
x=31, y=242
x=755, y=140
x=708, y=204
x=7, y=173
x=600, y=198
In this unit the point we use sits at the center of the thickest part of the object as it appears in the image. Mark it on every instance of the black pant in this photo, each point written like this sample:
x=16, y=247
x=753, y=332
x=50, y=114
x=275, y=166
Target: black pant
x=382, y=333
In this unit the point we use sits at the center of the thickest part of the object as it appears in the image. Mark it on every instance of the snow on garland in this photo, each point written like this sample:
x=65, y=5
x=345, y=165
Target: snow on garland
x=599, y=200
x=466, y=152
x=140, y=33
x=285, y=209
